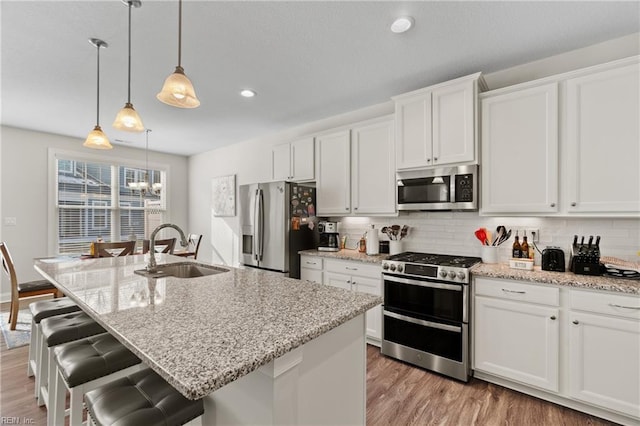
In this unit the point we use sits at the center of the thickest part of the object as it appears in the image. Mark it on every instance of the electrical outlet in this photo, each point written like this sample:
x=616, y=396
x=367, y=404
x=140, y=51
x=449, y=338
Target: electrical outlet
x=534, y=235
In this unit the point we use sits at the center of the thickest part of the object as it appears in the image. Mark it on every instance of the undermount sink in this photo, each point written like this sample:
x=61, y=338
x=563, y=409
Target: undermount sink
x=182, y=270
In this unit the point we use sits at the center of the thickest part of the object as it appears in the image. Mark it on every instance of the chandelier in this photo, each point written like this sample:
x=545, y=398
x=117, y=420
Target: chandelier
x=145, y=186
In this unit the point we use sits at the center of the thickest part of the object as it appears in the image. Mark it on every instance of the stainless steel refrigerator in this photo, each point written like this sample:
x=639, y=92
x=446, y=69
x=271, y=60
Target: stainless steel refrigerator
x=277, y=220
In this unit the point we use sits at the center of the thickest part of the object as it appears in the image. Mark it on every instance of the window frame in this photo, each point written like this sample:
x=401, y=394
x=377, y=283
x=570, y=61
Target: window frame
x=115, y=209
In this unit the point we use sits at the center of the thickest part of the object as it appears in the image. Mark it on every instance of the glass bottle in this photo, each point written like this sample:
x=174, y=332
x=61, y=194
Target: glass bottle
x=515, y=251
x=524, y=247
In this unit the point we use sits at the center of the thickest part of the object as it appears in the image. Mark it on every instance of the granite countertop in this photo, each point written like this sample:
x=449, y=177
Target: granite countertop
x=589, y=282
x=346, y=254
x=202, y=333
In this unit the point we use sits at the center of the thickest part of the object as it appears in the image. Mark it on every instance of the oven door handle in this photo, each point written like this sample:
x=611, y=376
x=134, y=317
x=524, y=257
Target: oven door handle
x=422, y=283
x=445, y=327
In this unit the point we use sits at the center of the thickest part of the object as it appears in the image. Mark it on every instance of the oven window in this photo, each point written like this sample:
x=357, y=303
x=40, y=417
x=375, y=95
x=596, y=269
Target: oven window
x=425, y=190
x=424, y=301
x=447, y=344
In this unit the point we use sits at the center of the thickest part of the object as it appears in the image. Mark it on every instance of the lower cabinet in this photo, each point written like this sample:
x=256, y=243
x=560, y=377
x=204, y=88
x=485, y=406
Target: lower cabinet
x=514, y=338
x=349, y=275
x=579, y=348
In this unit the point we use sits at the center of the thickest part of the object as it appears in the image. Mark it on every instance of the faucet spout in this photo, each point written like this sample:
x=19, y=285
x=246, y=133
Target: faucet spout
x=151, y=267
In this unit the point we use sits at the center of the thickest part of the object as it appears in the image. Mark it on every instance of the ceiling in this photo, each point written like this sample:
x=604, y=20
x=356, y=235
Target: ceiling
x=307, y=60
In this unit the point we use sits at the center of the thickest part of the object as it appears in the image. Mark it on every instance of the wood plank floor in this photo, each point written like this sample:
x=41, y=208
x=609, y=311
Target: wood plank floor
x=397, y=394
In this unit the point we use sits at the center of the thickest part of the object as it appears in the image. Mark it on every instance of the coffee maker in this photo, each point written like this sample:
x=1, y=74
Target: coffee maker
x=329, y=237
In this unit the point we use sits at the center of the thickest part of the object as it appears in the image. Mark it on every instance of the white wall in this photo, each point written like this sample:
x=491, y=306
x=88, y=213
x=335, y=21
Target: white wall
x=24, y=176
x=436, y=232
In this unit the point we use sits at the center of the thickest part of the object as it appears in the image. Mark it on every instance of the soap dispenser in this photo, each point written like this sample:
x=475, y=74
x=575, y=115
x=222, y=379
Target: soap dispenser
x=373, y=246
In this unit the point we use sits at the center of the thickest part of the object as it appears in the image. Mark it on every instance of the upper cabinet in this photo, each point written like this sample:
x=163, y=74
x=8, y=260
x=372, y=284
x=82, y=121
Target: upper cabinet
x=581, y=128
x=603, y=141
x=293, y=161
x=356, y=170
x=520, y=151
x=436, y=125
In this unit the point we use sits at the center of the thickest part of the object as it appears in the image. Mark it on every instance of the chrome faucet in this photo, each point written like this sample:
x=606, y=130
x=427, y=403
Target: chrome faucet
x=151, y=267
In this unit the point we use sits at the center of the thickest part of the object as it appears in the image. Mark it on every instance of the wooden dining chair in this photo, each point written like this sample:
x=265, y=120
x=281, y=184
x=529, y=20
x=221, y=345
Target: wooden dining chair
x=167, y=245
x=194, y=244
x=104, y=249
x=22, y=290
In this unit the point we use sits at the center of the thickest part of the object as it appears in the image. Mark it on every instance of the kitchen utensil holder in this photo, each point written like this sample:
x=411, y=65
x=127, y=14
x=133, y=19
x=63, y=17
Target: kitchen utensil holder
x=395, y=247
x=489, y=254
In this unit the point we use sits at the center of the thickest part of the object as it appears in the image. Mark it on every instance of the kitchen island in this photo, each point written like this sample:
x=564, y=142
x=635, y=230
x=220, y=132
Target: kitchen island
x=258, y=347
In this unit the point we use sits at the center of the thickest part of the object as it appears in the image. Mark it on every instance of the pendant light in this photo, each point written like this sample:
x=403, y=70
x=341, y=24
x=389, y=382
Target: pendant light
x=178, y=90
x=143, y=185
x=128, y=119
x=96, y=138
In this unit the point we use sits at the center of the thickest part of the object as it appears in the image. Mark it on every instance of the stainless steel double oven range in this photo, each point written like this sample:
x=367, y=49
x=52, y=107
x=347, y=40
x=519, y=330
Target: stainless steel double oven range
x=426, y=311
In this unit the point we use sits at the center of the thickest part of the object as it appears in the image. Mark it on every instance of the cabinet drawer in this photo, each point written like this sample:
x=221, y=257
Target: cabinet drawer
x=311, y=275
x=514, y=290
x=620, y=305
x=311, y=262
x=371, y=270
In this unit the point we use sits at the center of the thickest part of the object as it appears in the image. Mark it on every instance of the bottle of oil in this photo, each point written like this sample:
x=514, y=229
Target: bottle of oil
x=516, y=250
x=524, y=247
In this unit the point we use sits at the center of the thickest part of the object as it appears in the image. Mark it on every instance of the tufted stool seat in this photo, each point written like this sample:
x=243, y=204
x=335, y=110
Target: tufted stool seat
x=83, y=365
x=143, y=398
x=39, y=311
x=56, y=331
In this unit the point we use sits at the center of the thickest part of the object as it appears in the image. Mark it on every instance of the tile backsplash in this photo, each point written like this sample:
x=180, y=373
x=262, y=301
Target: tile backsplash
x=453, y=232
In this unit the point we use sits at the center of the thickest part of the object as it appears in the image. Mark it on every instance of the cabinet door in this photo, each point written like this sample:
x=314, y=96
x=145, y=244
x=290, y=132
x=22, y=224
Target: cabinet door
x=374, y=315
x=312, y=275
x=453, y=118
x=518, y=341
x=280, y=162
x=302, y=160
x=604, y=366
x=373, y=168
x=333, y=161
x=413, y=132
x=603, y=130
x=520, y=151
x=337, y=280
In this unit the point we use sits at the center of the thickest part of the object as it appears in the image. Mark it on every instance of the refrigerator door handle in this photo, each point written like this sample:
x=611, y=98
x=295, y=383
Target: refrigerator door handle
x=256, y=231
x=260, y=224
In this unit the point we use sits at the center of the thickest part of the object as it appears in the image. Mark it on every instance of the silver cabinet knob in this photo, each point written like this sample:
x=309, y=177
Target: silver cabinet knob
x=553, y=204
x=576, y=322
x=553, y=317
x=346, y=208
x=355, y=208
x=574, y=204
x=435, y=158
x=428, y=160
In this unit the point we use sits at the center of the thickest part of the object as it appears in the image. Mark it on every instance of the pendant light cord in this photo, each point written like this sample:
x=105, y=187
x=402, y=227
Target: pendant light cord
x=146, y=153
x=180, y=33
x=98, y=88
x=129, y=79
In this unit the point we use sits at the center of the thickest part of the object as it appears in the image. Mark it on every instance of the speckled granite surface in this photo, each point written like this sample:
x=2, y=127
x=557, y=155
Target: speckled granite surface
x=202, y=333
x=346, y=255
x=558, y=278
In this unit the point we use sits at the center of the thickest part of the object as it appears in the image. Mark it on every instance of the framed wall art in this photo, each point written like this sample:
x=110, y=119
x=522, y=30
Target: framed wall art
x=223, y=196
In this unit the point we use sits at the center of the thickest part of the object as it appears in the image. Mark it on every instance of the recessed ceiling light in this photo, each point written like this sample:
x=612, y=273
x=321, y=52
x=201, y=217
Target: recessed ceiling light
x=402, y=24
x=247, y=93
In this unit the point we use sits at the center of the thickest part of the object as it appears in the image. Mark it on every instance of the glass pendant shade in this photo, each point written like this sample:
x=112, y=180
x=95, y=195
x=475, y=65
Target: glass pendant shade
x=97, y=139
x=128, y=119
x=178, y=91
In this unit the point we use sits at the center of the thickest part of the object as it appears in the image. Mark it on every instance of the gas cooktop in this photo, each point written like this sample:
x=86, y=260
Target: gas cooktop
x=435, y=259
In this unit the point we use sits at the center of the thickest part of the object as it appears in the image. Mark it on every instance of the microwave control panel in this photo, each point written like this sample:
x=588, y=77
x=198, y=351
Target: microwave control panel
x=464, y=188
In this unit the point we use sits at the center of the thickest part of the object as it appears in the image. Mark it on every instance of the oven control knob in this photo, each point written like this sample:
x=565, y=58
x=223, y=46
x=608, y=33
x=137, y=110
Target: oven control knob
x=400, y=268
x=462, y=275
x=443, y=274
x=452, y=274
x=392, y=267
x=385, y=266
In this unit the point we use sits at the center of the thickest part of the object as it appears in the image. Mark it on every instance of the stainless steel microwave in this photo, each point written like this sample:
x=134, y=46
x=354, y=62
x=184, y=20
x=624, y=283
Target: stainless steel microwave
x=446, y=188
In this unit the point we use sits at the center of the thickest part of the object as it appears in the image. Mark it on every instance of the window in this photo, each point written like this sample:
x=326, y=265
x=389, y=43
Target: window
x=95, y=201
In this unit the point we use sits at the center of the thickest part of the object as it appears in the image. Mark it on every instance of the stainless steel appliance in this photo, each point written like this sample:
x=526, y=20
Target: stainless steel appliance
x=426, y=311
x=447, y=188
x=329, y=237
x=275, y=220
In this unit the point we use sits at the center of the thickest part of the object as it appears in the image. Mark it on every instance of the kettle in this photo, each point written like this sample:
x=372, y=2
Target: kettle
x=553, y=259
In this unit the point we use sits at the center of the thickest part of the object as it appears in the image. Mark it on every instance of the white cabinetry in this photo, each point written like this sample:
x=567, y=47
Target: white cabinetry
x=589, y=118
x=293, y=161
x=604, y=350
x=516, y=332
x=355, y=170
x=603, y=141
x=520, y=151
x=437, y=125
x=311, y=268
x=358, y=276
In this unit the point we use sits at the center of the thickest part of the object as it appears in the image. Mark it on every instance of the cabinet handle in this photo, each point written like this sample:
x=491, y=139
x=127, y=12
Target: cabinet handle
x=625, y=307
x=428, y=160
x=346, y=208
x=348, y=281
x=350, y=269
x=576, y=322
x=355, y=208
x=311, y=263
x=435, y=158
x=553, y=317
x=553, y=204
x=513, y=291
x=574, y=204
